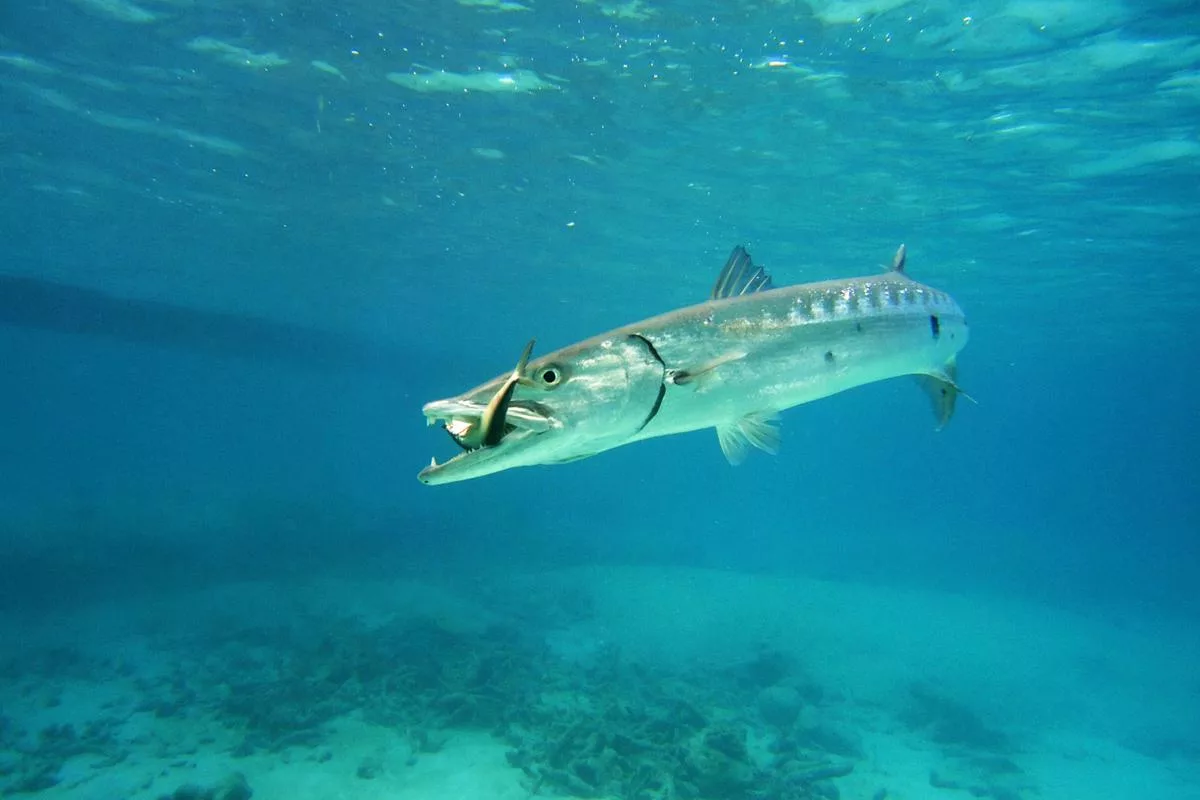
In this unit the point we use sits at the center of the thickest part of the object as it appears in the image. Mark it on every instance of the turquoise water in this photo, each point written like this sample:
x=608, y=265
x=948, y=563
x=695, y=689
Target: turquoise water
x=244, y=243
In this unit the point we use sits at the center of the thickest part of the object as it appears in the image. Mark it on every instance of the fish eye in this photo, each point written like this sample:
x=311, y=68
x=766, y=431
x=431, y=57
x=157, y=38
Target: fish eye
x=551, y=376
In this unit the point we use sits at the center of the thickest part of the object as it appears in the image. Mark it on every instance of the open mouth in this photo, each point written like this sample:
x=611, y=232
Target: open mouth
x=465, y=431
x=461, y=420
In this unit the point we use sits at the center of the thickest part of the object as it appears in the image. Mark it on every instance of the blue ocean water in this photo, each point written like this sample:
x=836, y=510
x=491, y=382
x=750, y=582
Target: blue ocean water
x=244, y=243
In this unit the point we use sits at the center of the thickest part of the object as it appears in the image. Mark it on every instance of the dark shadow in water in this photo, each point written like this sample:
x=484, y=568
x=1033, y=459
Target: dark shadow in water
x=90, y=558
x=46, y=305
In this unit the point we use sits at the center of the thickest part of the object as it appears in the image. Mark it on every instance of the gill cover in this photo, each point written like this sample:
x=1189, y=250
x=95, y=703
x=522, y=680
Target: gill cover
x=610, y=390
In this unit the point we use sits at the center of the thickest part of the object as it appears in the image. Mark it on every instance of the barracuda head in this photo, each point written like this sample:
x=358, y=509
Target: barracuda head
x=571, y=404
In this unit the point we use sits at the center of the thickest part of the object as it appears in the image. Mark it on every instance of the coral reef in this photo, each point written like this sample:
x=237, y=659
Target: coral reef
x=33, y=762
x=585, y=721
x=646, y=735
x=594, y=726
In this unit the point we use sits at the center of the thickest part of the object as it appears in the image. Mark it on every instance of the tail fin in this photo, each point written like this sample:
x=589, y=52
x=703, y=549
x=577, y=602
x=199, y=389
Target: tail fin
x=943, y=391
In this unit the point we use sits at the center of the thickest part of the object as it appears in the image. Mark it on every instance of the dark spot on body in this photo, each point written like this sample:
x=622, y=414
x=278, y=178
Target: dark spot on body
x=935, y=326
x=858, y=327
x=829, y=359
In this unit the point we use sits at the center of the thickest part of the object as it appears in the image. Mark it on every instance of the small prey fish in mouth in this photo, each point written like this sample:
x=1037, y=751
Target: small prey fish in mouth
x=731, y=362
x=490, y=428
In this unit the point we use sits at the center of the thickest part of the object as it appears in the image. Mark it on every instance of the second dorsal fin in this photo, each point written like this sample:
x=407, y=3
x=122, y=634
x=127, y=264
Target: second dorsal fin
x=740, y=276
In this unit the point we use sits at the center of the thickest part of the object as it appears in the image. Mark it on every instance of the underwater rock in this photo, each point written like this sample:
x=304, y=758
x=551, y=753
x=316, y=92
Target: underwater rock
x=423, y=741
x=728, y=742
x=245, y=748
x=369, y=768
x=624, y=745
x=36, y=778
x=570, y=781
x=949, y=722
x=235, y=787
x=306, y=737
x=58, y=737
x=832, y=740
x=37, y=768
x=826, y=790
x=811, y=773
x=779, y=705
x=459, y=709
x=994, y=778
x=686, y=715
x=939, y=780
x=767, y=668
x=716, y=773
x=190, y=791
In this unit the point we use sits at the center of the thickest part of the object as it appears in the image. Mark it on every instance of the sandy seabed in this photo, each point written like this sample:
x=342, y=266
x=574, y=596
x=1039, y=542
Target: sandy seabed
x=626, y=682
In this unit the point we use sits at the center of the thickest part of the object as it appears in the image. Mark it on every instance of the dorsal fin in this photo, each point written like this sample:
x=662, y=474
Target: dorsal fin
x=899, y=258
x=740, y=276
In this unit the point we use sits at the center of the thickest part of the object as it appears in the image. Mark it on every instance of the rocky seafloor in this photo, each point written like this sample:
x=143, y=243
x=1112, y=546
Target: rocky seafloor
x=592, y=725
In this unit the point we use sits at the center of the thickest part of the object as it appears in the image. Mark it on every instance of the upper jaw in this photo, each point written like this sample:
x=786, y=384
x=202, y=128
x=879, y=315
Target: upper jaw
x=458, y=416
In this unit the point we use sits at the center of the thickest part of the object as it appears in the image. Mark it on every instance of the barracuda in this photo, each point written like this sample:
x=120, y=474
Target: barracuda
x=731, y=363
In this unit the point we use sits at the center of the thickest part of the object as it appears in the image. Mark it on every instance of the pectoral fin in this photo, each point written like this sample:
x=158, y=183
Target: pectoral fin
x=682, y=377
x=759, y=429
x=943, y=391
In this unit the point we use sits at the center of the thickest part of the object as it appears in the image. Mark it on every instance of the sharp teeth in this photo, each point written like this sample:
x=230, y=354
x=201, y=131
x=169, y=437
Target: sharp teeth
x=459, y=427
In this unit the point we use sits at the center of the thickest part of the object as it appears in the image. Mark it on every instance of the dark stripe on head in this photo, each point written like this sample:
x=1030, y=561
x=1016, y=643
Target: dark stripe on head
x=649, y=346
x=662, y=387
x=662, y=392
